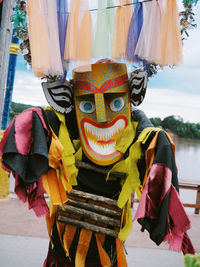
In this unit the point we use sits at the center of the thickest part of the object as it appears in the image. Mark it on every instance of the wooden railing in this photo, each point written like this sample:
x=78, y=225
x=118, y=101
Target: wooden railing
x=183, y=184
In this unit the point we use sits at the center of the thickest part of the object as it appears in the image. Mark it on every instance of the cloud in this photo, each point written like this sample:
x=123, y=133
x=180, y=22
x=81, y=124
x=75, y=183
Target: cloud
x=28, y=90
x=165, y=102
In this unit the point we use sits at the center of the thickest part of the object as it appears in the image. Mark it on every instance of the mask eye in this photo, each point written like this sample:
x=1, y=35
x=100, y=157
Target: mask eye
x=117, y=104
x=87, y=106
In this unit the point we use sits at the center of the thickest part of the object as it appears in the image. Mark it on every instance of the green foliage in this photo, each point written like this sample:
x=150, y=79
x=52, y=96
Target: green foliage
x=192, y=260
x=177, y=126
x=17, y=108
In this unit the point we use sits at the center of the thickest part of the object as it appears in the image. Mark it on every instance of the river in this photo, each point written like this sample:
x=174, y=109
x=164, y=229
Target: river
x=187, y=153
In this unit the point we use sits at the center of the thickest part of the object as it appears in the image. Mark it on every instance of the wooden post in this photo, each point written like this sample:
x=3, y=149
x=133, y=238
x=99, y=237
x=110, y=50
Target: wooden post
x=5, y=38
x=197, y=200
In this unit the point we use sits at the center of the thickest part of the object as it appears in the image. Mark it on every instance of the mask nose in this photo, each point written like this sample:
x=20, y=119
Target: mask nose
x=100, y=108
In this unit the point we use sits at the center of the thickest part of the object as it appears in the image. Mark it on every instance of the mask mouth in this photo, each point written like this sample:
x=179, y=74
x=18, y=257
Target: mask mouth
x=100, y=139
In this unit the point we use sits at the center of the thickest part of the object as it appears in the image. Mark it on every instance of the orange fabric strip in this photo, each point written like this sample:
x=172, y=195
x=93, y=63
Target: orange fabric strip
x=82, y=248
x=104, y=258
x=150, y=154
x=121, y=258
x=54, y=188
x=60, y=228
x=68, y=237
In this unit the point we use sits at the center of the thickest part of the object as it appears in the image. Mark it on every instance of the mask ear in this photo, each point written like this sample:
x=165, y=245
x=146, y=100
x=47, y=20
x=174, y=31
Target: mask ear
x=59, y=95
x=138, y=86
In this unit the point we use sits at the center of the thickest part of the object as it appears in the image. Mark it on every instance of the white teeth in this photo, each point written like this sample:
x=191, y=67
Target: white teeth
x=105, y=133
x=103, y=150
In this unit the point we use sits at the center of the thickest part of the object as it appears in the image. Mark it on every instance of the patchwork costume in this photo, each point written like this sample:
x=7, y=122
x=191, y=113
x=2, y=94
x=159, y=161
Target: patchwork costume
x=89, y=159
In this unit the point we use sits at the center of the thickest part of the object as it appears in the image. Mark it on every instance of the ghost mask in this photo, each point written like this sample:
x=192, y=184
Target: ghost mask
x=102, y=103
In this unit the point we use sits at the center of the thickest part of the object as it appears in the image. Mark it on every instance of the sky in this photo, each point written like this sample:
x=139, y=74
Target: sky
x=171, y=92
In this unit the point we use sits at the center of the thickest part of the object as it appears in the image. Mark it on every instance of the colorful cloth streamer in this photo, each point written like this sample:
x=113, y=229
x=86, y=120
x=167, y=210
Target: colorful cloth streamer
x=79, y=33
x=160, y=37
x=149, y=42
x=170, y=36
x=134, y=32
x=122, y=22
x=102, y=46
x=62, y=15
x=44, y=40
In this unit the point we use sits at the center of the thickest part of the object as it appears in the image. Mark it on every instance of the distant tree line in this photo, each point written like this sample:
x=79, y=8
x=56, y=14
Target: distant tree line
x=17, y=108
x=177, y=126
x=172, y=123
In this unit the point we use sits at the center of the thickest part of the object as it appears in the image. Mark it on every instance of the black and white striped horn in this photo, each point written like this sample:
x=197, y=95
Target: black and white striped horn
x=59, y=95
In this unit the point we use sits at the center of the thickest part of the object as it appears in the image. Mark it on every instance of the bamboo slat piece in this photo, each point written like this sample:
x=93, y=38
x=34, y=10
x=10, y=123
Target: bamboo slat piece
x=97, y=198
x=91, y=215
x=88, y=226
x=92, y=207
x=81, y=164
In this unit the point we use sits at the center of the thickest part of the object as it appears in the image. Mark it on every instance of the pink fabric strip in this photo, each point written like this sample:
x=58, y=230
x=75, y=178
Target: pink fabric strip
x=157, y=186
x=23, y=129
x=181, y=223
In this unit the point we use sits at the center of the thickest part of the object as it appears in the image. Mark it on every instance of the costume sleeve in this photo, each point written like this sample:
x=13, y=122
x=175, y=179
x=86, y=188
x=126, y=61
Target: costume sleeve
x=160, y=210
x=24, y=150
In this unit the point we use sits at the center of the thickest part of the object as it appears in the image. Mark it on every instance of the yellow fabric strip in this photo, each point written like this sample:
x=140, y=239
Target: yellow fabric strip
x=104, y=258
x=4, y=179
x=82, y=248
x=129, y=166
x=68, y=148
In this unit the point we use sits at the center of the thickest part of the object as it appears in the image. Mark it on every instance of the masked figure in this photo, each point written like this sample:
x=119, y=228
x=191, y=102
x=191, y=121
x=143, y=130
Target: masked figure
x=93, y=146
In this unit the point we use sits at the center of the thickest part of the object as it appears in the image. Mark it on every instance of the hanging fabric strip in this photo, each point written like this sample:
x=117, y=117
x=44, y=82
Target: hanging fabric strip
x=79, y=33
x=72, y=31
x=104, y=258
x=134, y=32
x=84, y=40
x=62, y=15
x=82, y=248
x=149, y=42
x=43, y=35
x=121, y=258
x=122, y=23
x=102, y=46
x=170, y=35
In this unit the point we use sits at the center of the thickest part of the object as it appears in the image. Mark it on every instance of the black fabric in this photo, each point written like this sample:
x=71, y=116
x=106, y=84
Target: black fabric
x=163, y=155
x=29, y=167
x=53, y=121
x=93, y=182
x=71, y=123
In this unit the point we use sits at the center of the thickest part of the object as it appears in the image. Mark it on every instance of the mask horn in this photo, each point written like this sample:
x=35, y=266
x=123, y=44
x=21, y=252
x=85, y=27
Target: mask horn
x=138, y=86
x=59, y=95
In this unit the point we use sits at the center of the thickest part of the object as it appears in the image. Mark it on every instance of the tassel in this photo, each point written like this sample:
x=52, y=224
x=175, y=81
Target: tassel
x=122, y=23
x=134, y=32
x=102, y=46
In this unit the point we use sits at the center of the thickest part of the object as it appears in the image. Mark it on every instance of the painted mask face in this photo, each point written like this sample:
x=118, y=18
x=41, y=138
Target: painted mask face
x=102, y=110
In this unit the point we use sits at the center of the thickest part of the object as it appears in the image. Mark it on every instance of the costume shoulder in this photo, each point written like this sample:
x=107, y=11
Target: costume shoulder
x=24, y=147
